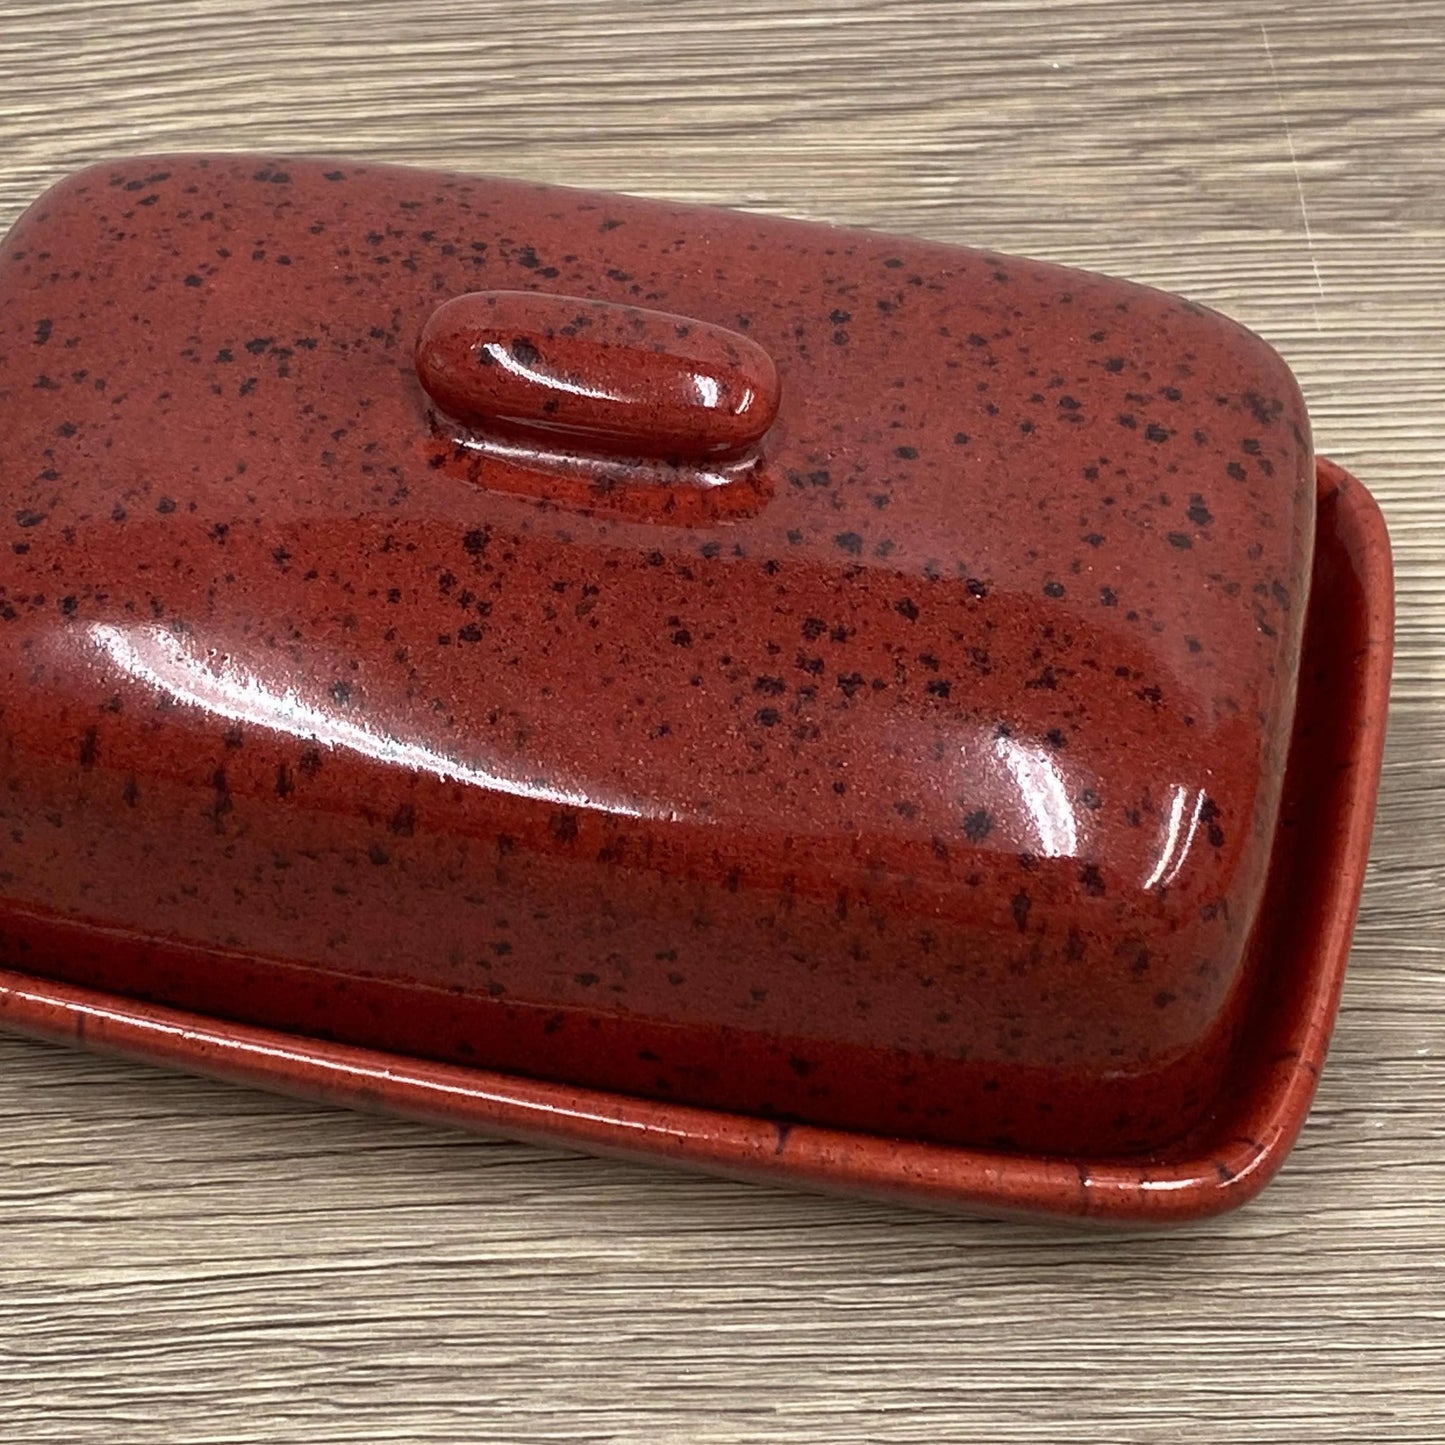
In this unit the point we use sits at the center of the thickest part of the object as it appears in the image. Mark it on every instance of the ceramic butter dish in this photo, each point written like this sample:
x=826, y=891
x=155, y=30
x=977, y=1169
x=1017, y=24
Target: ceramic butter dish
x=795, y=701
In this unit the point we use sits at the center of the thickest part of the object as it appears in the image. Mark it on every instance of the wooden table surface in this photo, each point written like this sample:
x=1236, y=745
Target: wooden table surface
x=180, y=1261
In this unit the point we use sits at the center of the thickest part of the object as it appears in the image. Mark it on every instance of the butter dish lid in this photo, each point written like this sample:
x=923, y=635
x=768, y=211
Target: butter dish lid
x=895, y=643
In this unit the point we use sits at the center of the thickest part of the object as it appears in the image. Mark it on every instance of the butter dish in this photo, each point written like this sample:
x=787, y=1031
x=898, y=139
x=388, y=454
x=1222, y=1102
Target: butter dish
x=805, y=703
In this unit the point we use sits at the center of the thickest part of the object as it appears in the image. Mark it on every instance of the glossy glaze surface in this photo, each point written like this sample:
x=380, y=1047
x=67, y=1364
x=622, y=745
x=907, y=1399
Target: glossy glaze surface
x=923, y=781
x=1315, y=880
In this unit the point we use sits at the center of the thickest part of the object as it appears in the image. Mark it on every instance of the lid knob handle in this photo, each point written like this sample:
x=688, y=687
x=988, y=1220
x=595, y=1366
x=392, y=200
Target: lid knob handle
x=597, y=376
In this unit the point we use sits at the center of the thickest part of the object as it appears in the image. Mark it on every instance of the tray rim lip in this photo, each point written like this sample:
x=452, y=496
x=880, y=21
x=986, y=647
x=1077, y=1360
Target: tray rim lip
x=929, y=1175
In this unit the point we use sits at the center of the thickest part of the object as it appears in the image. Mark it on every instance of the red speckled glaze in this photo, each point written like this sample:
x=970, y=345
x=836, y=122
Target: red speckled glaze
x=916, y=774
x=1315, y=880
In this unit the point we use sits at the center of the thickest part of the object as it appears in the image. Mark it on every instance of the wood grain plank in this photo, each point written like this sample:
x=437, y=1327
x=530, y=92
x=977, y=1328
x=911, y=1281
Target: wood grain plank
x=183, y=1262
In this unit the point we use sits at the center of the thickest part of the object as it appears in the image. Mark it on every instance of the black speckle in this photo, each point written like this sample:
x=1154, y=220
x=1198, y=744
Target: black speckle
x=1264, y=412
x=563, y=825
x=193, y=280
x=906, y=454
x=1019, y=906
x=524, y=351
x=1091, y=880
x=1198, y=512
x=977, y=825
x=89, y=749
x=767, y=717
x=475, y=541
x=1182, y=540
x=906, y=607
x=1156, y=433
x=1108, y=597
x=1209, y=815
x=378, y=854
x=166, y=506
x=1053, y=589
x=43, y=329
x=850, y=542
x=340, y=692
